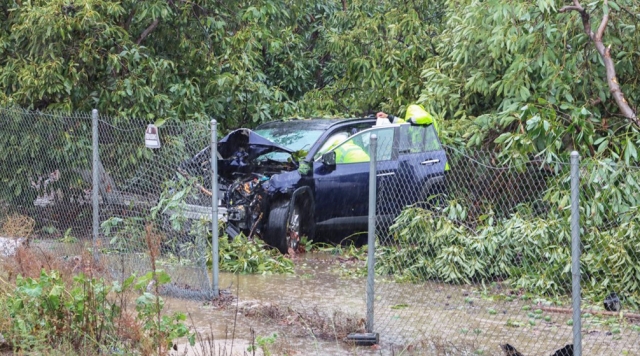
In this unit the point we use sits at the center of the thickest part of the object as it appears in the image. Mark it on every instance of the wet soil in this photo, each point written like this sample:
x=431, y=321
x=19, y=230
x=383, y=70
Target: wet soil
x=412, y=319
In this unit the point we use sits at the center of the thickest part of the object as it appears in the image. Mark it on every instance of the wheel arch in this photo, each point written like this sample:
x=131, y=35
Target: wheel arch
x=304, y=196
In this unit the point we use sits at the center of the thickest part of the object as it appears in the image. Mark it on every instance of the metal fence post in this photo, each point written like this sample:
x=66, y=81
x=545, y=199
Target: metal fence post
x=95, y=182
x=214, y=208
x=575, y=252
x=369, y=337
x=371, y=238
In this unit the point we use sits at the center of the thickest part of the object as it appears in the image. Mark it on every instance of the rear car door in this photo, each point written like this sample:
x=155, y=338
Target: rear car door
x=421, y=165
x=342, y=190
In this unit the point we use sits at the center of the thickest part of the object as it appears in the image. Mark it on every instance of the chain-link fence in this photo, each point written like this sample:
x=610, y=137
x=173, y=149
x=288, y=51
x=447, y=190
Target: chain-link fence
x=44, y=159
x=478, y=252
x=610, y=272
x=472, y=248
x=48, y=174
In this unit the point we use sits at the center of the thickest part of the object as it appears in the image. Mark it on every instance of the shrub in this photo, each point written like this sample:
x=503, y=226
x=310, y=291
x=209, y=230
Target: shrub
x=86, y=315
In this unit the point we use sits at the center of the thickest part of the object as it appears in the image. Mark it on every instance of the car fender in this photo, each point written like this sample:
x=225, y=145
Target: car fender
x=281, y=187
x=286, y=186
x=305, y=194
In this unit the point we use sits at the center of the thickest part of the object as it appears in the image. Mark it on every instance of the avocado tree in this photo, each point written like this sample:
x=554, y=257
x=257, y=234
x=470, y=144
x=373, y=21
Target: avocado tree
x=241, y=61
x=371, y=55
x=532, y=79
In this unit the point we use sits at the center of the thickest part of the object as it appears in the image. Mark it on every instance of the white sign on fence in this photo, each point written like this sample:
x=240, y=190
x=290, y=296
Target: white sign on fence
x=152, y=137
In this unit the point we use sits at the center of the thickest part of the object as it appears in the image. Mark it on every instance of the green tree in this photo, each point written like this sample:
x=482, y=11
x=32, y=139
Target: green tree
x=371, y=55
x=241, y=62
x=525, y=77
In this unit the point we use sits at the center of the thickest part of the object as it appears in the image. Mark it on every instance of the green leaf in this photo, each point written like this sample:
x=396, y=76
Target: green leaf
x=631, y=148
x=54, y=296
x=524, y=93
x=162, y=277
x=144, y=281
x=34, y=291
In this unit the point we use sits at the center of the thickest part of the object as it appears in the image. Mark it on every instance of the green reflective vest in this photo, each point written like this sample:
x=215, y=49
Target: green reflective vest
x=349, y=152
x=417, y=115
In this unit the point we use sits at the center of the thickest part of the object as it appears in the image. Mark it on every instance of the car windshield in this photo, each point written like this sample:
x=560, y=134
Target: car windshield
x=293, y=139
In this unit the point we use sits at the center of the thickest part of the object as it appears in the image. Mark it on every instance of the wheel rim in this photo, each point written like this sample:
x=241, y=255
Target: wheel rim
x=293, y=230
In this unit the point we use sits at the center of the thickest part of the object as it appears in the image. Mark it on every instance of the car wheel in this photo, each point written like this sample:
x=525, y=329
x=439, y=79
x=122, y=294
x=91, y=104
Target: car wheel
x=285, y=227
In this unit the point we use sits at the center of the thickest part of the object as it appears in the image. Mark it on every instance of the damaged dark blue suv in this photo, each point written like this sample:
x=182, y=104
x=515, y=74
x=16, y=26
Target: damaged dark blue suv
x=281, y=181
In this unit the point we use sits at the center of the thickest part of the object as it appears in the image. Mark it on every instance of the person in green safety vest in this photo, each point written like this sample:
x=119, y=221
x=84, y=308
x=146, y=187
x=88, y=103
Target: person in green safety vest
x=350, y=152
x=332, y=142
x=416, y=115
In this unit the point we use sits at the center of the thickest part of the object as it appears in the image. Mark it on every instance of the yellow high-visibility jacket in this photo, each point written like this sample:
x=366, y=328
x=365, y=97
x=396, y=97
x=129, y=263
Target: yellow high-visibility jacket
x=349, y=152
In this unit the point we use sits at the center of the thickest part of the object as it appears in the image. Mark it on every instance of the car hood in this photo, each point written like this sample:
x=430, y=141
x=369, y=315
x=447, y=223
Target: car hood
x=249, y=142
x=239, y=150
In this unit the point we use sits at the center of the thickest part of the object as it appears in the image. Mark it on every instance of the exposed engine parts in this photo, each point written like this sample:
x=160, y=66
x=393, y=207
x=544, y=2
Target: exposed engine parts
x=246, y=201
x=254, y=175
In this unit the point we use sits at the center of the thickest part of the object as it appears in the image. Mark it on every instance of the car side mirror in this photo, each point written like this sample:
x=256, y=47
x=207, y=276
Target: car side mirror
x=329, y=158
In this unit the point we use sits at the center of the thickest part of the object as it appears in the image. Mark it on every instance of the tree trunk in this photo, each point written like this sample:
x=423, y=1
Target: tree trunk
x=605, y=53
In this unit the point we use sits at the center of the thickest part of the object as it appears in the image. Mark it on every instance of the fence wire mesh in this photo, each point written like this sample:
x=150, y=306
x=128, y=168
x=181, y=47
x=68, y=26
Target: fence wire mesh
x=46, y=158
x=610, y=273
x=151, y=202
x=148, y=203
x=482, y=257
x=475, y=253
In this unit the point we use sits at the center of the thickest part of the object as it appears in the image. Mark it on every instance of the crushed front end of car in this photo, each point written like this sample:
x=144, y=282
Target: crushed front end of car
x=246, y=164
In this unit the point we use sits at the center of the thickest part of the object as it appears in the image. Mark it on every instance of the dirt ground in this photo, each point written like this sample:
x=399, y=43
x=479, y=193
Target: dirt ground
x=312, y=311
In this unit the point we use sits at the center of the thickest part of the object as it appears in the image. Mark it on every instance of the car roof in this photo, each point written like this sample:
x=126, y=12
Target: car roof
x=313, y=123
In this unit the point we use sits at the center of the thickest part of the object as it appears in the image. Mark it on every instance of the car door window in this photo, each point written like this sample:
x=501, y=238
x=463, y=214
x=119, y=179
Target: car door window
x=332, y=142
x=356, y=148
x=339, y=136
x=431, y=141
x=419, y=139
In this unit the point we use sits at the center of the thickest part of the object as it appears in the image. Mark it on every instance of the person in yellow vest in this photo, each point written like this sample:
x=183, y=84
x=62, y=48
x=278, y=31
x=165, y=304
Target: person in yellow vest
x=350, y=152
x=416, y=115
x=331, y=143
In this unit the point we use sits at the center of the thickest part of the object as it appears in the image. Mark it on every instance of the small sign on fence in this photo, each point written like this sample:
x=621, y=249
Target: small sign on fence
x=151, y=137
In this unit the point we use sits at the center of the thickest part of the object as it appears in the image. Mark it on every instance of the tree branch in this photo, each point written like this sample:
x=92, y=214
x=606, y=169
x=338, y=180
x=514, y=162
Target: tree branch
x=127, y=24
x=603, y=24
x=605, y=54
x=148, y=30
x=570, y=8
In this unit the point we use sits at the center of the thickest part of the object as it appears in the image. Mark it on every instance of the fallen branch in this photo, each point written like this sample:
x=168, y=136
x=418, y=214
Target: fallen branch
x=195, y=184
x=594, y=312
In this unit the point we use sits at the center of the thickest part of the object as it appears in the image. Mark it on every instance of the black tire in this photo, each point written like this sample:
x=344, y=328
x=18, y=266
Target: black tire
x=285, y=227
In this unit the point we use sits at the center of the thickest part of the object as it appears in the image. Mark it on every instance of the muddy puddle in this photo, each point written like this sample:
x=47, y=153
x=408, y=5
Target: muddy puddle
x=304, y=309
x=290, y=306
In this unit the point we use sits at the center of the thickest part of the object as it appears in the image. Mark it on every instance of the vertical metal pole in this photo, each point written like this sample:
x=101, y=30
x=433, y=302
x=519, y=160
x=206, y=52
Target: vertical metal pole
x=371, y=241
x=214, y=207
x=575, y=252
x=95, y=182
